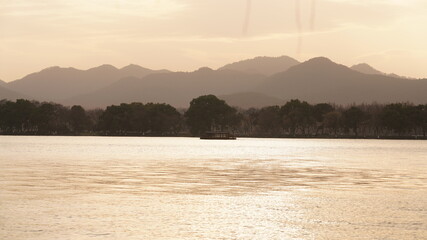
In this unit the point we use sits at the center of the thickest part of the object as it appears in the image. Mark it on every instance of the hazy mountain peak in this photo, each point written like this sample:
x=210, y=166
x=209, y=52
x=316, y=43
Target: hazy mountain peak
x=366, y=68
x=319, y=65
x=319, y=60
x=57, y=83
x=52, y=68
x=2, y=83
x=50, y=71
x=204, y=69
x=322, y=80
x=262, y=58
x=56, y=68
x=263, y=65
x=317, y=80
x=176, y=88
x=103, y=67
x=133, y=67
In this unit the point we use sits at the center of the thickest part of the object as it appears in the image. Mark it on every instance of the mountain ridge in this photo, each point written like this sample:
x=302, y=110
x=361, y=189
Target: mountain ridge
x=3, y=83
x=321, y=80
x=248, y=100
x=263, y=65
x=315, y=80
x=163, y=87
x=366, y=68
x=8, y=94
x=56, y=83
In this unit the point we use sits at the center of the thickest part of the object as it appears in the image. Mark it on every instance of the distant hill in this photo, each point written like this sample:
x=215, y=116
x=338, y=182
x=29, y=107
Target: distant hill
x=257, y=82
x=263, y=65
x=57, y=83
x=175, y=88
x=2, y=83
x=11, y=95
x=321, y=80
x=251, y=100
x=366, y=69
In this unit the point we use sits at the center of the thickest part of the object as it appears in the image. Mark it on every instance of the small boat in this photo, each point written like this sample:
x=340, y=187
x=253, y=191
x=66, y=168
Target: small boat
x=218, y=136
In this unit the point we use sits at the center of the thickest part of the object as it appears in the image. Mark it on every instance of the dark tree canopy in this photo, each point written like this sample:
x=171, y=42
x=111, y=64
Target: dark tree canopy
x=297, y=115
x=353, y=117
x=140, y=119
x=79, y=120
x=269, y=120
x=208, y=112
x=163, y=118
x=401, y=118
x=294, y=119
x=319, y=110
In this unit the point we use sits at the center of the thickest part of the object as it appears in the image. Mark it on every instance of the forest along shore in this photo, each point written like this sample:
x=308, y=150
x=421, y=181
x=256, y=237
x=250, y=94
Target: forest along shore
x=294, y=119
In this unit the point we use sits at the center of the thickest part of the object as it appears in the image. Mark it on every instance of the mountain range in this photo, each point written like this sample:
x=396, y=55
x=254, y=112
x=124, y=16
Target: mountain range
x=321, y=80
x=6, y=93
x=55, y=83
x=257, y=82
x=263, y=65
x=365, y=68
x=177, y=88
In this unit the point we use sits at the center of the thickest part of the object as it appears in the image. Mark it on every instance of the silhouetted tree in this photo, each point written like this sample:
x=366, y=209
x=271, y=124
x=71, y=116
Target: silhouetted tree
x=319, y=111
x=115, y=119
x=79, y=121
x=51, y=119
x=17, y=116
x=374, y=124
x=208, y=111
x=333, y=120
x=395, y=117
x=424, y=117
x=352, y=118
x=416, y=117
x=269, y=121
x=297, y=115
x=93, y=116
x=296, y=118
x=163, y=118
x=249, y=120
x=140, y=119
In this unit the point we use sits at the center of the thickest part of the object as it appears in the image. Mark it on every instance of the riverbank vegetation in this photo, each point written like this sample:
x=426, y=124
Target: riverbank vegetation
x=294, y=119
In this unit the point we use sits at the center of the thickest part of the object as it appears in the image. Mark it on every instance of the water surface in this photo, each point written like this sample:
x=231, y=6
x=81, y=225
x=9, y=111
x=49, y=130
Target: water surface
x=186, y=188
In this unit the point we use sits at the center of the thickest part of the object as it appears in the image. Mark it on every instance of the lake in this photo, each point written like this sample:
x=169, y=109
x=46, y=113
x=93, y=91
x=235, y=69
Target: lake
x=186, y=188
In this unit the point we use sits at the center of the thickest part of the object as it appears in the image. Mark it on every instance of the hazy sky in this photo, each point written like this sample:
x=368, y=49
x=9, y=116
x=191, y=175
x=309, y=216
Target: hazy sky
x=391, y=35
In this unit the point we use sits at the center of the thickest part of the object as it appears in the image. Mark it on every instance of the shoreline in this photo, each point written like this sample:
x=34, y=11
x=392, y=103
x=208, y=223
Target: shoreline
x=237, y=136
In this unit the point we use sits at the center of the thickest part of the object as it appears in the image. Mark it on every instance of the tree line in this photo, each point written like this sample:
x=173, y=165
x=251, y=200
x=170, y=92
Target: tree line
x=206, y=113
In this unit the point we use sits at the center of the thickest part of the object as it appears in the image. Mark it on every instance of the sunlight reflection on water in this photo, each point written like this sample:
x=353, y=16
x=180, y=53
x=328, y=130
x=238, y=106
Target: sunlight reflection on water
x=185, y=188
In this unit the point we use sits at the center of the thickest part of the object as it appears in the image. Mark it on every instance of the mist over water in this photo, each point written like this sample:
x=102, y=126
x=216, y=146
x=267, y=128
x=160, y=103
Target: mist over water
x=185, y=188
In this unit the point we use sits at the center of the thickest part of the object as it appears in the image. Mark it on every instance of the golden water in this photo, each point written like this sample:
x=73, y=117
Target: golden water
x=186, y=188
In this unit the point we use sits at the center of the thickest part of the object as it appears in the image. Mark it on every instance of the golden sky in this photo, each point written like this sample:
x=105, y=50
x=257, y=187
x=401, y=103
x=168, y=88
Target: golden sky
x=391, y=35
